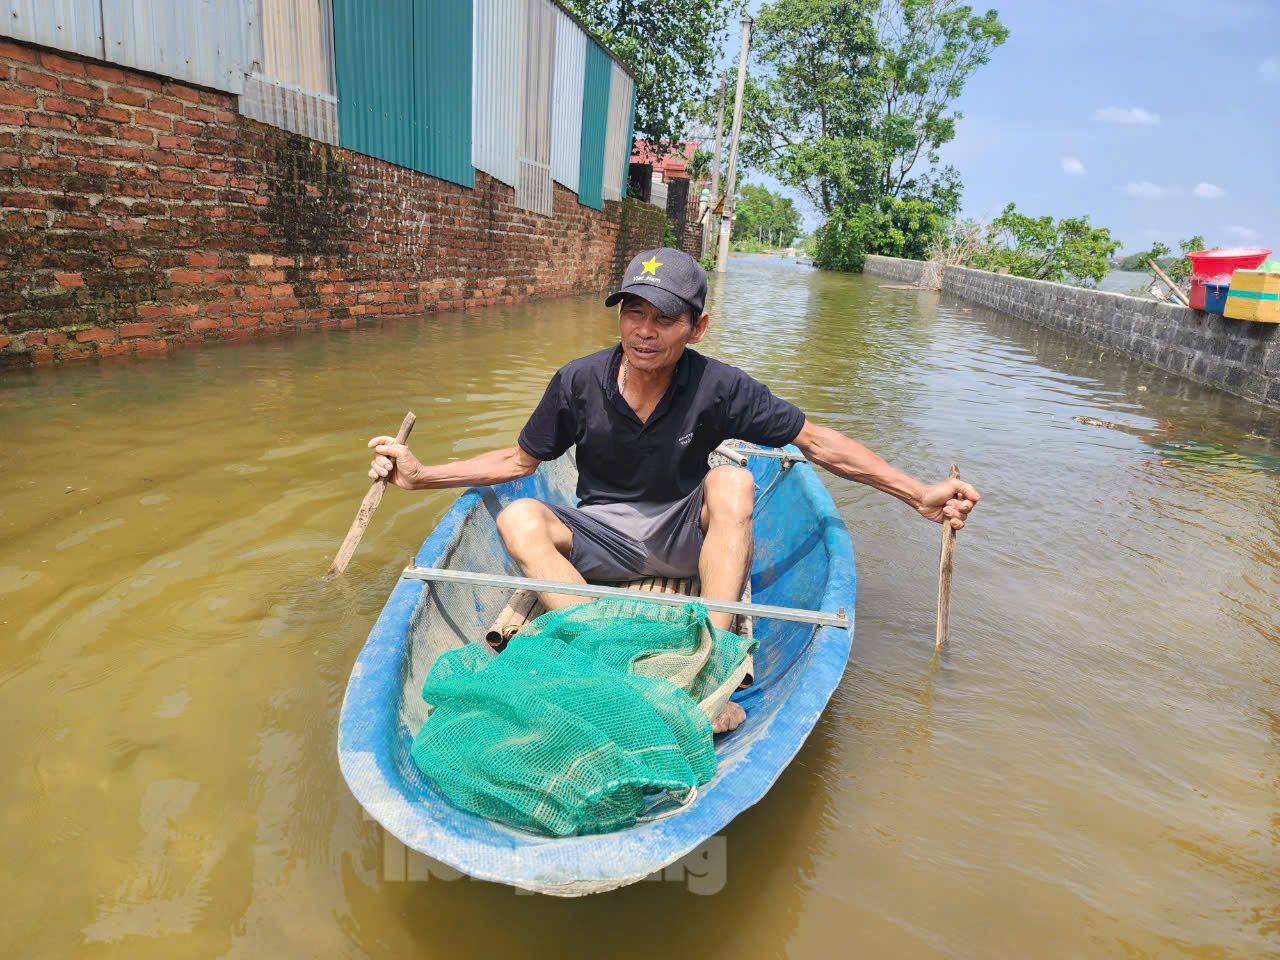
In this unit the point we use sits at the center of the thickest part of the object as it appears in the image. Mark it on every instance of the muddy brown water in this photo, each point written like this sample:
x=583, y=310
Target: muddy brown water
x=1092, y=768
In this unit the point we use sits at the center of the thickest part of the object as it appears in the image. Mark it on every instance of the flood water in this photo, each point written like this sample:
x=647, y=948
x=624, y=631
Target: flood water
x=1091, y=769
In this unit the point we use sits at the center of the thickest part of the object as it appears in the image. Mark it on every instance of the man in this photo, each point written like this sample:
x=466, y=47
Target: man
x=644, y=415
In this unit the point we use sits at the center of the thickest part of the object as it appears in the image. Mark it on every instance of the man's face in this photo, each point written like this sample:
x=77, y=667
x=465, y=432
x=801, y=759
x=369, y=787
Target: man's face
x=651, y=340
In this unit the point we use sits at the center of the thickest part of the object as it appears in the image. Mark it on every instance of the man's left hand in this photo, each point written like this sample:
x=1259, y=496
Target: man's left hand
x=948, y=502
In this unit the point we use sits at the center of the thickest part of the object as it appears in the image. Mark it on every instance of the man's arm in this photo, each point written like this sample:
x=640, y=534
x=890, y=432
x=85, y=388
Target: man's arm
x=397, y=464
x=949, y=500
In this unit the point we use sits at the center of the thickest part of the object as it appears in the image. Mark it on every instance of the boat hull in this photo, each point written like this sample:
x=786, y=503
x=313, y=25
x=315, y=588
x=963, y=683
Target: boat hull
x=803, y=558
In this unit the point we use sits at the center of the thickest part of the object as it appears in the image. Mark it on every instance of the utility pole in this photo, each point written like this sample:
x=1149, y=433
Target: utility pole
x=726, y=222
x=708, y=231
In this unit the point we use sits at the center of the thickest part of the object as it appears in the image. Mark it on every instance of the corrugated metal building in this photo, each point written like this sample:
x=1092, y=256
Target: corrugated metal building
x=291, y=81
x=566, y=110
x=514, y=88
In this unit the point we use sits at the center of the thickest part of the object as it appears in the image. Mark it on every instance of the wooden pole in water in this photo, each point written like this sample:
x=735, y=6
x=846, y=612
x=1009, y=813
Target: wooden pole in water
x=367, y=506
x=944, y=574
x=1169, y=283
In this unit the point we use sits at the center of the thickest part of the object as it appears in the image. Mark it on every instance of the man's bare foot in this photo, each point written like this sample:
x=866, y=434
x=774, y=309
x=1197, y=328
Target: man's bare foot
x=729, y=719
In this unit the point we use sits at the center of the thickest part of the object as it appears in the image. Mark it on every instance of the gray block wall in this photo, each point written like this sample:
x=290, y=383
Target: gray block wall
x=1237, y=356
x=904, y=271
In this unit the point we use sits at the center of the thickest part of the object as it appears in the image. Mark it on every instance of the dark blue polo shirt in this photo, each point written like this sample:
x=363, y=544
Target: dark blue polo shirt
x=622, y=460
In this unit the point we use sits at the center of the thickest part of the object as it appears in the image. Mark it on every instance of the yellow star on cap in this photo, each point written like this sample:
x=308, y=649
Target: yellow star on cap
x=650, y=266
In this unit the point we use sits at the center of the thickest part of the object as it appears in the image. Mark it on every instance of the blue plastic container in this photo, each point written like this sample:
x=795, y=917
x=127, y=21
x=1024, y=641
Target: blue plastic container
x=1215, y=296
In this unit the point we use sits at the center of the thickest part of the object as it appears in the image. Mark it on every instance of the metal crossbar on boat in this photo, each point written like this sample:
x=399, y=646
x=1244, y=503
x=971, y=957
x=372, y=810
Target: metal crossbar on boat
x=439, y=574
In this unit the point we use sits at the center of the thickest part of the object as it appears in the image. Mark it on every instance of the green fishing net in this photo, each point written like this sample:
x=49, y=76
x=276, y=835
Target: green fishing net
x=591, y=712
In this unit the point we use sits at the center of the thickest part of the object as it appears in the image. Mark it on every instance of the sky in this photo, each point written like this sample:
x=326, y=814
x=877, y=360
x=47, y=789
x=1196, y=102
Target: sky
x=1158, y=119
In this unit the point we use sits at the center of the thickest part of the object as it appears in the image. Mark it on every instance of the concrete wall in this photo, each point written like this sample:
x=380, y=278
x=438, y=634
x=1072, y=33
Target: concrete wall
x=1237, y=356
x=138, y=213
x=903, y=271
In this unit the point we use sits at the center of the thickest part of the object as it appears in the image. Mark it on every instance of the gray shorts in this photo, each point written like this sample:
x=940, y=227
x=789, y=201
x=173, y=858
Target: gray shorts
x=627, y=541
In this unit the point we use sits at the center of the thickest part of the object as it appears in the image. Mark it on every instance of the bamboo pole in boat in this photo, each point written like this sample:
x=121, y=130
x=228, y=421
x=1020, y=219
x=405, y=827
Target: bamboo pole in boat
x=944, y=574
x=367, y=506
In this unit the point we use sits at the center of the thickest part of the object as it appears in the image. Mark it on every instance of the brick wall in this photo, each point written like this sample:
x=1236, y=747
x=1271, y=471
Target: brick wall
x=138, y=213
x=1236, y=356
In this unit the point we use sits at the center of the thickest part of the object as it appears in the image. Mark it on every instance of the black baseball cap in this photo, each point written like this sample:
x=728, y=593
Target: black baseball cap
x=669, y=279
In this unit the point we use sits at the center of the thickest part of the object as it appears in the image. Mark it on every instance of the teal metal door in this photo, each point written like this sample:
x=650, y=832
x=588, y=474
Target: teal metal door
x=404, y=83
x=595, y=125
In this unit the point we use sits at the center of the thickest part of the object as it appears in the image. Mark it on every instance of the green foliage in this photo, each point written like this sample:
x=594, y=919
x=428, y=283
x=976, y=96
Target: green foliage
x=891, y=227
x=672, y=47
x=1178, y=268
x=1069, y=250
x=669, y=238
x=700, y=164
x=850, y=103
x=768, y=218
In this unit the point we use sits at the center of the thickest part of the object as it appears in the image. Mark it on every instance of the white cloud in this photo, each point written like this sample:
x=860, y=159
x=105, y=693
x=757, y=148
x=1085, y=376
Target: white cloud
x=1072, y=166
x=1209, y=191
x=1245, y=234
x=1269, y=70
x=1145, y=190
x=1133, y=116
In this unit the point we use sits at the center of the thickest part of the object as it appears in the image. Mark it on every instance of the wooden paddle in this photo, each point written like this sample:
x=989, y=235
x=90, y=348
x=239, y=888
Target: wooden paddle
x=944, y=574
x=367, y=506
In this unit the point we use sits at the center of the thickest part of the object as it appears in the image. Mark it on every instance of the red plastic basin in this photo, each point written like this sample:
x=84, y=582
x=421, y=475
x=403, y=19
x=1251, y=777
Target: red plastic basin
x=1207, y=265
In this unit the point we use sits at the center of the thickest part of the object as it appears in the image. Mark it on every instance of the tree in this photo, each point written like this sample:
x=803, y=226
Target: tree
x=1039, y=248
x=850, y=102
x=672, y=47
x=765, y=216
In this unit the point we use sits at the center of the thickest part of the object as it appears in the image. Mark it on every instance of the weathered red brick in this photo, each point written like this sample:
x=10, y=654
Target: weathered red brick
x=96, y=168
x=200, y=113
x=49, y=121
x=30, y=78
x=14, y=118
x=94, y=333
x=126, y=95
x=113, y=349
x=69, y=279
x=157, y=121
x=60, y=64
x=204, y=323
x=13, y=97
x=102, y=111
x=164, y=105
x=127, y=261
x=138, y=136
x=85, y=91
x=56, y=339
x=150, y=346
x=24, y=201
x=34, y=339
x=137, y=329
x=11, y=50
x=10, y=160
x=94, y=128
x=62, y=105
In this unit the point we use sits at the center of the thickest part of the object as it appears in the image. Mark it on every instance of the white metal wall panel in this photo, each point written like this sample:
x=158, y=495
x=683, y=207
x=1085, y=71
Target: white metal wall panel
x=534, y=190
x=297, y=43
x=290, y=43
x=617, y=136
x=566, y=109
x=201, y=41
x=311, y=114
x=72, y=25
x=497, y=52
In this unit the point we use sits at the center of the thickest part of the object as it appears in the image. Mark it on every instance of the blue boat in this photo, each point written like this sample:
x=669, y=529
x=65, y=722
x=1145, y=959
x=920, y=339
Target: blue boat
x=803, y=559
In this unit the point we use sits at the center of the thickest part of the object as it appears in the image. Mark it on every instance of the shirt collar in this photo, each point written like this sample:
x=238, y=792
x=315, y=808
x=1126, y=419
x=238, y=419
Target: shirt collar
x=680, y=379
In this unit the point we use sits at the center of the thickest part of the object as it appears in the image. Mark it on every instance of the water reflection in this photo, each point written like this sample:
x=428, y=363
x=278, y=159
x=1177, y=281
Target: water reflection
x=1091, y=767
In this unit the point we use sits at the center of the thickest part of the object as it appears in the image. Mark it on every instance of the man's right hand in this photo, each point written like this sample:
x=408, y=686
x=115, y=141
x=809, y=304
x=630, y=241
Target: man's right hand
x=393, y=463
